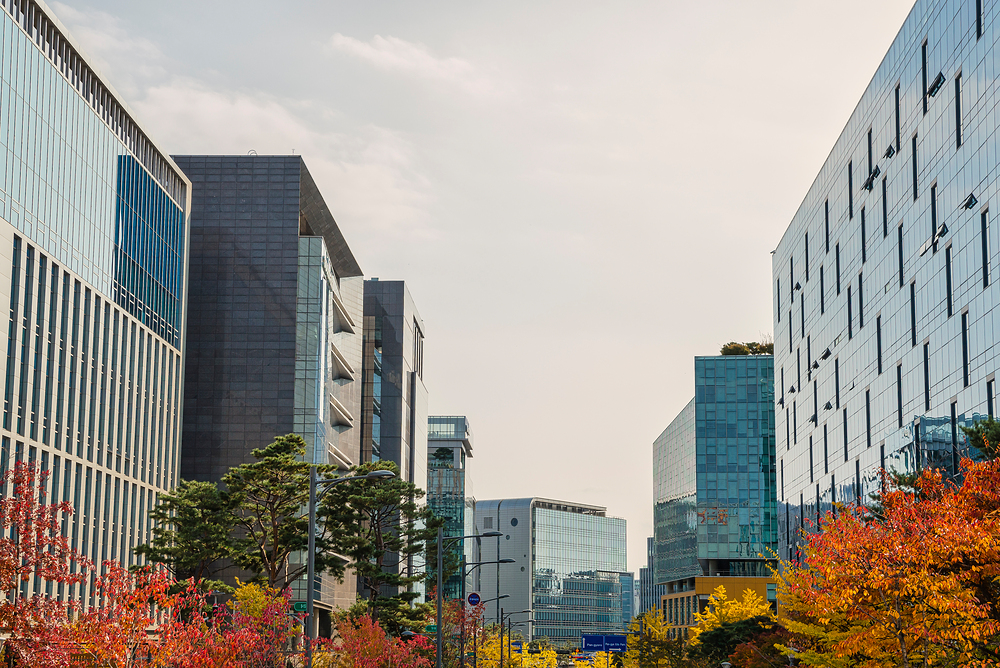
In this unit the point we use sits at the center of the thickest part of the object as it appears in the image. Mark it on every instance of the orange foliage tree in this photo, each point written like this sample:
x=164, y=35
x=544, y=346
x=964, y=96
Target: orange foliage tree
x=36, y=565
x=915, y=584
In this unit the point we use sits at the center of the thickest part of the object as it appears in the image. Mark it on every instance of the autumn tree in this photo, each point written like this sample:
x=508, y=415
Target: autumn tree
x=723, y=610
x=381, y=527
x=363, y=643
x=915, y=586
x=36, y=565
x=191, y=526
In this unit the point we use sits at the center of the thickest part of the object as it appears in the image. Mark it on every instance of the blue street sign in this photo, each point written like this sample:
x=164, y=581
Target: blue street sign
x=474, y=598
x=515, y=646
x=596, y=642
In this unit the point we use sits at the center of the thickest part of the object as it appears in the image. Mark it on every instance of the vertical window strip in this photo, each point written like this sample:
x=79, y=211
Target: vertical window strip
x=913, y=314
x=857, y=482
x=868, y=417
x=954, y=436
x=989, y=399
x=822, y=292
x=899, y=250
x=965, y=349
x=897, y=118
x=95, y=365
x=984, y=224
x=864, y=249
x=81, y=417
x=850, y=189
x=811, y=474
x=927, y=376
x=36, y=384
x=826, y=450
x=29, y=267
x=73, y=372
x=913, y=156
x=878, y=342
x=795, y=424
x=949, y=301
x=861, y=301
x=934, y=224
x=826, y=224
x=850, y=316
x=979, y=18
x=958, y=111
x=871, y=164
x=846, y=455
x=15, y=293
x=777, y=293
x=836, y=380
x=837, y=249
x=806, y=249
x=899, y=395
x=885, y=209
x=923, y=74
x=50, y=353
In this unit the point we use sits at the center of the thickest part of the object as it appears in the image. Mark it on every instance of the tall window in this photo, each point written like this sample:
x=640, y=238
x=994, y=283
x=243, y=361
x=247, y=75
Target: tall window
x=954, y=436
x=965, y=349
x=806, y=248
x=791, y=277
x=861, y=301
x=850, y=189
x=826, y=451
x=878, y=342
x=899, y=248
x=947, y=281
x=885, y=209
x=934, y=213
x=850, y=315
x=822, y=294
x=777, y=292
x=984, y=224
x=897, y=118
x=989, y=399
x=868, y=417
x=899, y=394
x=913, y=156
x=836, y=380
x=864, y=250
x=958, y=111
x=923, y=73
x=913, y=314
x=826, y=223
x=927, y=376
x=845, y=435
x=812, y=476
x=838, y=267
x=871, y=165
x=979, y=18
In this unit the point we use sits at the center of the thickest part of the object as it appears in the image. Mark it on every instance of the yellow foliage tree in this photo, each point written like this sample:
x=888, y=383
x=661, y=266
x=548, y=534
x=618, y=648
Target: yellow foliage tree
x=488, y=654
x=722, y=610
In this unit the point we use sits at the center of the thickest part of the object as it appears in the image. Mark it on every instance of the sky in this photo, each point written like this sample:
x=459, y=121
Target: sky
x=581, y=196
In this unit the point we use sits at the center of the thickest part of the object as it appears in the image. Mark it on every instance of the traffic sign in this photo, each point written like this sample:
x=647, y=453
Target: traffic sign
x=592, y=642
x=515, y=646
x=615, y=643
x=300, y=606
x=474, y=599
x=431, y=628
x=599, y=642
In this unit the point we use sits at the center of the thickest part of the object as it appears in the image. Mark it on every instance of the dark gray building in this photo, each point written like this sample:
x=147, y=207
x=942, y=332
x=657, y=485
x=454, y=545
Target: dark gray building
x=649, y=593
x=274, y=340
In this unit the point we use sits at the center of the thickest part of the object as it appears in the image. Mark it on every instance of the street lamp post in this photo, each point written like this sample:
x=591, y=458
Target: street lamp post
x=465, y=573
x=440, y=595
x=504, y=618
x=314, y=483
x=475, y=637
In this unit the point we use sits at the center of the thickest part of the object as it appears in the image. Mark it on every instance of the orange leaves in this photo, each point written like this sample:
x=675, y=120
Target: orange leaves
x=914, y=584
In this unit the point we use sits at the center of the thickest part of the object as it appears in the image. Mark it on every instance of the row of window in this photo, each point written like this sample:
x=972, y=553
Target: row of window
x=57, y=49
x=109, y=513
x=83, y=378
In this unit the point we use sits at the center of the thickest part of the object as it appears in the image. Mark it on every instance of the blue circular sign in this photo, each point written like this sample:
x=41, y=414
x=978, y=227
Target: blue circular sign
x=474, y=598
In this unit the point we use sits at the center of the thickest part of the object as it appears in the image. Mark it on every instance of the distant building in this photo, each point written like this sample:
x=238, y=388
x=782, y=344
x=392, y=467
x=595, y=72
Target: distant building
x=394, y=397
x=569, y=559
x=274, y=325
x=628, y=597
x=449, y=486
x=715, y=517
x=648, y=592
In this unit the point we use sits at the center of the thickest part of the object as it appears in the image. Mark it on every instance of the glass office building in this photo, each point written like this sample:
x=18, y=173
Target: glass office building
x=649, y=593
x=885, y=283
x=93, y=227
x=274, y=338
x=449, y=487
x=715, y=513
x=569, y=563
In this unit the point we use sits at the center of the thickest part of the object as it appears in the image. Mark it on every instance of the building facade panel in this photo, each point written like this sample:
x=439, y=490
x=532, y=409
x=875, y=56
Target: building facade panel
x=885, y=281
x=93, y=232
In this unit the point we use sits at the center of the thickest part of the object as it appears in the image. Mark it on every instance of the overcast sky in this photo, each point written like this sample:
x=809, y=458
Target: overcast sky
x=581, y=196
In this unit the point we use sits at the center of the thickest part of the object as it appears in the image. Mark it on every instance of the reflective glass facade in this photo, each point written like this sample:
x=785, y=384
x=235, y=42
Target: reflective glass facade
x=449, y=487
x=715, y=509
x=92, y=362
x=569, y=563
x=885, y=282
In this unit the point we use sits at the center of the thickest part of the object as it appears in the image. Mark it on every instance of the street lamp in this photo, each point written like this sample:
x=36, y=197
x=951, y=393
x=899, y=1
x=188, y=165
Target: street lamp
x=502, y=618
x=440, y=561
x=314, y=484
x=474, y=565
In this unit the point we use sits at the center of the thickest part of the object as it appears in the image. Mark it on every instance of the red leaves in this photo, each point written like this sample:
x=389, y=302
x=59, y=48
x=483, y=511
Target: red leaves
x=364, y=644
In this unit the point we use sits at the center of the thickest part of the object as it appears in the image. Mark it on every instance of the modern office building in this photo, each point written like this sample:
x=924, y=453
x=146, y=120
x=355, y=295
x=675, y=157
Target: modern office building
x=569, y=559
x=715, y=513
x=885, y=282
x=275, y=315
x=94, y=230
x=628, y=597
x=449, y=488
x=648, y=593
x=394, y=397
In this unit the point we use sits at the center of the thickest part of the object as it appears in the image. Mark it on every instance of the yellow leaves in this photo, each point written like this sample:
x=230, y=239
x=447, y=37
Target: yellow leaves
x=721, y=610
